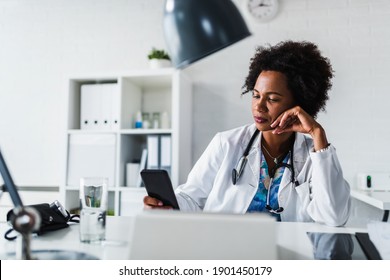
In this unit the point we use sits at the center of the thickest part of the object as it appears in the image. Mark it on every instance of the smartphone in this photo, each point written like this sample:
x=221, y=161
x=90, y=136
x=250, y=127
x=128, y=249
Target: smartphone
x=159, y=185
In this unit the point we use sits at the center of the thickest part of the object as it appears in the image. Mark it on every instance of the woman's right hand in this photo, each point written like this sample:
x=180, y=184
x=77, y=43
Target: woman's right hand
x=153, y=203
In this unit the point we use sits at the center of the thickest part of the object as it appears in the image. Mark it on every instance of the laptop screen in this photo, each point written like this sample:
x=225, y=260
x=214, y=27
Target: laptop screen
x=180, y=235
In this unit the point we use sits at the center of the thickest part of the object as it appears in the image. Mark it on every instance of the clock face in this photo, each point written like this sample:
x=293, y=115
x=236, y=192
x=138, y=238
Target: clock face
x=262, y=10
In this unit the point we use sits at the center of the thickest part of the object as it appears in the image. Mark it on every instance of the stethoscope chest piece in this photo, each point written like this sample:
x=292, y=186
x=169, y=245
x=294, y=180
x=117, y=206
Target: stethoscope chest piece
x=236, y=172
x=234, y=176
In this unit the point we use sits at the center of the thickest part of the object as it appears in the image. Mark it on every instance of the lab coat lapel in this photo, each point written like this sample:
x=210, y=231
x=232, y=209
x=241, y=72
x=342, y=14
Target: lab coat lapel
x=254, y=161
x=301, y=152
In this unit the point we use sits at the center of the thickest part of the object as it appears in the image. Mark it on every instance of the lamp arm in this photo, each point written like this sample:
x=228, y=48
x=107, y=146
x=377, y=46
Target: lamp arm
x=25, y=219
x=9, y=183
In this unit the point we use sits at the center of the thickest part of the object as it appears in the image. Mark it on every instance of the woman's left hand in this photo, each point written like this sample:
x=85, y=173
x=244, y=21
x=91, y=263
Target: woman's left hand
x=297, y=120
x=294, y=120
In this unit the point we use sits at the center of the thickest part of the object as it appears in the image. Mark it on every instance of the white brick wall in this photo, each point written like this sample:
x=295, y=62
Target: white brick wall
x=44, y=41
x=355, y=36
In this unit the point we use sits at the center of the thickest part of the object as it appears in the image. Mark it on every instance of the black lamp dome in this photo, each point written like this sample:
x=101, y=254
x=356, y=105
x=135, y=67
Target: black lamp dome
x=194, y=29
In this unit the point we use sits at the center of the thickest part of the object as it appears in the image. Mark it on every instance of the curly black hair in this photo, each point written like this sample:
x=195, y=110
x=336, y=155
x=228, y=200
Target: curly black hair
x=308, y=73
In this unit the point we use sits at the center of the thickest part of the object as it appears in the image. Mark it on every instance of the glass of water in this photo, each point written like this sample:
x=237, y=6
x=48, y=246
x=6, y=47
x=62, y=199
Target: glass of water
x=93, y=203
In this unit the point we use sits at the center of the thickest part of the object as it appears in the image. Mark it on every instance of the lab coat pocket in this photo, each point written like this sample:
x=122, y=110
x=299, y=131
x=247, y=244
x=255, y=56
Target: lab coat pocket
x=243, y=196
x=303, y=192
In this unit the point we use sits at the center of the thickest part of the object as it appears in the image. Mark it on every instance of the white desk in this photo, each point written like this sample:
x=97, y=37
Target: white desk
x=116, y=246
x=378, y=199
x=292, y=240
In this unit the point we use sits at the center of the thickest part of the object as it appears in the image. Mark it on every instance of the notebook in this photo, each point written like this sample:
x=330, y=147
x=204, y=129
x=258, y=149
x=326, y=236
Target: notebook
x=176, y=235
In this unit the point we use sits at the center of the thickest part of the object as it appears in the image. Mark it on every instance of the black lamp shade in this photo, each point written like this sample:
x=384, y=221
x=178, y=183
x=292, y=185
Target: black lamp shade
x=194, y=29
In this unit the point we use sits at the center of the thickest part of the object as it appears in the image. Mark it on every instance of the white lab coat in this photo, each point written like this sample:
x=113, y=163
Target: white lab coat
x=322, y=194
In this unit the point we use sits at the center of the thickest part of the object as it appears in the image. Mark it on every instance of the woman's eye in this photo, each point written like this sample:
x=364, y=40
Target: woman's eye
x=273, y=100
x=255, y=96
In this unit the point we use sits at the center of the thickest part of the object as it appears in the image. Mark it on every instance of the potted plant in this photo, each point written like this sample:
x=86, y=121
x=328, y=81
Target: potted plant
x=158, y=58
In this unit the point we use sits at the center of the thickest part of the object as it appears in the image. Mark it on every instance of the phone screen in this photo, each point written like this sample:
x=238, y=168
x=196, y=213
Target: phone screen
x=159, y=185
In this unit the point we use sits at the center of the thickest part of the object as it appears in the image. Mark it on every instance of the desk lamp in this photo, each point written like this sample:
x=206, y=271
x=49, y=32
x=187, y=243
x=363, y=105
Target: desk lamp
x=26, y=219
x=194, y=29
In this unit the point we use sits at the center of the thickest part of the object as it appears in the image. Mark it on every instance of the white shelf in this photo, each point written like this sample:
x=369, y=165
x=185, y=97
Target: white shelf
x=378, y=199
x=86, y=132
x=122, y=131
x=131, y=189
x=157, y=90
x=145, y=131
x=76, y=188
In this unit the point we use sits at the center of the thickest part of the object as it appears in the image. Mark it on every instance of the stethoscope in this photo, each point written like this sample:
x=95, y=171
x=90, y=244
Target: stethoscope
x=237, y=172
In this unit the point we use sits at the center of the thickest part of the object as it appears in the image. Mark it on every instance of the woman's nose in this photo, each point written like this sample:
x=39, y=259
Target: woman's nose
x=261, y=105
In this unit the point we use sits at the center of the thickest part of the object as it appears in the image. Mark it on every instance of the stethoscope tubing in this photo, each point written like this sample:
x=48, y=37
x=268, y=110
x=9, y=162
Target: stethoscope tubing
x=237, y=171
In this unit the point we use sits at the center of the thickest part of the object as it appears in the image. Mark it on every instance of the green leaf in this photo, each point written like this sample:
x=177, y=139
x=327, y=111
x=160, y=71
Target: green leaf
x=158, y=54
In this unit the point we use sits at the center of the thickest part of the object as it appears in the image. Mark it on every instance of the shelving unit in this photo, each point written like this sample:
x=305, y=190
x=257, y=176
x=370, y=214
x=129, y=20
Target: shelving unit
x=158, y=90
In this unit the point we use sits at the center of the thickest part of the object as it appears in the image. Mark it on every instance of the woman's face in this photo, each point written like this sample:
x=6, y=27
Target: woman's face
x=270, y=98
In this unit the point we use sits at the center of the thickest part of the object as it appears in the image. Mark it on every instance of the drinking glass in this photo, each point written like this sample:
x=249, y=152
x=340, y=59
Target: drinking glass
x=93, y=203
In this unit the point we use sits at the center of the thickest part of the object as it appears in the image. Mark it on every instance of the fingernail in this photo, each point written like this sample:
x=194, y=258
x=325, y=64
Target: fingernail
x=160, y=203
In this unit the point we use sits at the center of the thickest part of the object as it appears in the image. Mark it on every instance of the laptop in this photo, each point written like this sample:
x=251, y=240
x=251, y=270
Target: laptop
x=176, y=235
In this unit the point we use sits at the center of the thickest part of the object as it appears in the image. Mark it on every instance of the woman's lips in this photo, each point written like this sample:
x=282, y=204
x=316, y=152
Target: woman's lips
x=260, y=120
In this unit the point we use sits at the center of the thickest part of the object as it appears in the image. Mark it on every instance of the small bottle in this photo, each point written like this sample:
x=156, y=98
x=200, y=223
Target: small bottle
x=138, y=120
x=145, y=120
x=156, y=120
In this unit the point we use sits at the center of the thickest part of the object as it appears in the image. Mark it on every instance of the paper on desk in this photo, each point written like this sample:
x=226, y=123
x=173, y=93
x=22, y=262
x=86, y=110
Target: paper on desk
x=379, y=233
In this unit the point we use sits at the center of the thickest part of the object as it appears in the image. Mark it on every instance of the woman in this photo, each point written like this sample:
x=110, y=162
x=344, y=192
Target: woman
x=291, y=170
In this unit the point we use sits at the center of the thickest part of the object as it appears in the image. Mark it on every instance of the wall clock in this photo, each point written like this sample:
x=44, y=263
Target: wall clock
x=262, y=10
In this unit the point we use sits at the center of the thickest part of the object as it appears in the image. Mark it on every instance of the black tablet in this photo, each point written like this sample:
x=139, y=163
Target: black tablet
x=368, y=247
x=159, y=185
x=337, y=246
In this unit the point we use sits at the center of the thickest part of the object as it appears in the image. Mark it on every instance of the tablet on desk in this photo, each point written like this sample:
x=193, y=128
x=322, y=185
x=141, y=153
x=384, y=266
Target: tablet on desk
x=342, y=246
x=368, y=247
x=159, y=185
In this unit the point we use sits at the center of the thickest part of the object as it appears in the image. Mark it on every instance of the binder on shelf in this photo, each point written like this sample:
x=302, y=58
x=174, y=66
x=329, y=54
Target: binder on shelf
x=153, y=147
x=132, y=174
x=159, y=152
x=115, y=108
x=142, y=166
x=90, y=107
x=105, y=106
x=165, y=152
x=100, y=106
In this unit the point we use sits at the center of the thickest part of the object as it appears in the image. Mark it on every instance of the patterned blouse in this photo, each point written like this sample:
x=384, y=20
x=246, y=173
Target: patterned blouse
x=260, y=199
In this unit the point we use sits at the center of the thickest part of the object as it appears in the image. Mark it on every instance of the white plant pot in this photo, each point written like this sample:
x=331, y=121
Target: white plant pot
x=159, y=63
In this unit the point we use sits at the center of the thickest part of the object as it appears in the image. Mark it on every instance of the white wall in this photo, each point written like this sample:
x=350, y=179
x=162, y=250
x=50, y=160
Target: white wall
x=42, y=42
